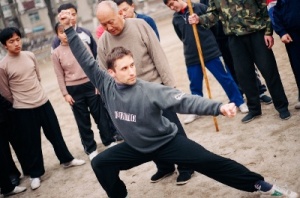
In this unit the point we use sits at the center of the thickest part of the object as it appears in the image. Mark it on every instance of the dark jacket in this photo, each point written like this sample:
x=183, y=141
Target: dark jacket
x=185, y=33
x=4, y=106
x=286, y=16
x=217, y=29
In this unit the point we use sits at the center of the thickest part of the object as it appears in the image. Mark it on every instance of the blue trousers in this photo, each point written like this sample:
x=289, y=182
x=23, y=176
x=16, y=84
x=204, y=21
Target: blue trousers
x=180, y=150
x=221, y=73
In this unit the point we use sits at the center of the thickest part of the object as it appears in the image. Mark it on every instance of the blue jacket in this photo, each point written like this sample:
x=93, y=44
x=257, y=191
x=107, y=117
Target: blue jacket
x=150, y=21
x=286, y=16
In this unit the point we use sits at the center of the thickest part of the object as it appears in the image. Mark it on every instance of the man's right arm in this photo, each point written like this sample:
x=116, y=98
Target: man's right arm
x=85, y=59
x=4, y=87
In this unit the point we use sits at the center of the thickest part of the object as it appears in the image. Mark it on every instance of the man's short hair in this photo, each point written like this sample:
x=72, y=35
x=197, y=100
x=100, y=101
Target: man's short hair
x=118, y=2
x=8, y=33
x=66, y=6
x=166, y=1
x=116, y=54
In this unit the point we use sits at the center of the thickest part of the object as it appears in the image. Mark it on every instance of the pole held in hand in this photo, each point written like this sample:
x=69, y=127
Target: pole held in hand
x=201, y=59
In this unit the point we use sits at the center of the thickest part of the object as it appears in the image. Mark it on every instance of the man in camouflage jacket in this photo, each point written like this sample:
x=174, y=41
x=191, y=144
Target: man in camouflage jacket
x=249, y=28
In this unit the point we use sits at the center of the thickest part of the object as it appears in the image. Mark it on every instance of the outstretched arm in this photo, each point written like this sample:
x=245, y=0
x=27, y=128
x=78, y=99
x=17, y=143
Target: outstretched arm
x=165, y=97
x=84, y=58
x=228, y=110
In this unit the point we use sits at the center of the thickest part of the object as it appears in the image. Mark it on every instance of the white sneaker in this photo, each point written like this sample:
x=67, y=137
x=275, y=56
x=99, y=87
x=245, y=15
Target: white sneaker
x=92, y=155
x=277, y=191
x=190, y=118
x=35, y=183
x=112, y=144
x=74, y=162
x=243, y=108
x=17, y=190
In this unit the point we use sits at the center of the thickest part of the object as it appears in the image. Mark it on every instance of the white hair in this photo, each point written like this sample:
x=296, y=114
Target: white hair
x=110, y=4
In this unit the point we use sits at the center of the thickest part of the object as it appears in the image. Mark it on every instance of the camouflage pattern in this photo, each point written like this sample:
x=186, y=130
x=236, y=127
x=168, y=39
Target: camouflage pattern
x=239, y=17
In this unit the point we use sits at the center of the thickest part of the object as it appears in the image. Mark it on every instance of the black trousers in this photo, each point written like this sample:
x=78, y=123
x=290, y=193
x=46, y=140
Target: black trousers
x=251, y=49
x=224, y=48
x=293, y=50
x=180, y=150
x=8, y=136
x=5, y=183
x=169, y=167
x=29, y=123
x=88, y=103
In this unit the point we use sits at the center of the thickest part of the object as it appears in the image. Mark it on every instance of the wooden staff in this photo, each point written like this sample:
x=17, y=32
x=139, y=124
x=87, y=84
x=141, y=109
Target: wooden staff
x=201, y=59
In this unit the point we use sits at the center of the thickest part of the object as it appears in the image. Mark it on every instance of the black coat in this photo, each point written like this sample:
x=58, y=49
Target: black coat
x=4, y=107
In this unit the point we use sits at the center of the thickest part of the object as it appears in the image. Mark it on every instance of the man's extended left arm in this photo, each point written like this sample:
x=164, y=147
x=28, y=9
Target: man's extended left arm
x=169, y=98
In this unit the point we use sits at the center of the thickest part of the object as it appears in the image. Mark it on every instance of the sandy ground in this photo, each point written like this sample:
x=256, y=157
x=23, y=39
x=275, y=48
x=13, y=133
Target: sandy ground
x=267, y=145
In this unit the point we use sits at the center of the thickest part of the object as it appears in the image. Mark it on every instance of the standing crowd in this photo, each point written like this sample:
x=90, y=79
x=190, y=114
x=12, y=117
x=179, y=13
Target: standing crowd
x=125, y=77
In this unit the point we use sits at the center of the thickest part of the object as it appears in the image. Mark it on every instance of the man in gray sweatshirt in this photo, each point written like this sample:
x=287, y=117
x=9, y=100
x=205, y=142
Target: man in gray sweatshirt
x=135, y=107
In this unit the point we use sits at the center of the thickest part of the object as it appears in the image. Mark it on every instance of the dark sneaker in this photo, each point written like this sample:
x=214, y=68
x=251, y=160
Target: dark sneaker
x=285, y=115
x=160, y=175
x=15, y=180
x=250, y=116
x=266, y=99
x=183, y=178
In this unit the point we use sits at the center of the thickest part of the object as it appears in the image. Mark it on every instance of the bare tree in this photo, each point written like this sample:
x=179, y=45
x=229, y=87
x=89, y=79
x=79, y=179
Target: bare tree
x=51, y=14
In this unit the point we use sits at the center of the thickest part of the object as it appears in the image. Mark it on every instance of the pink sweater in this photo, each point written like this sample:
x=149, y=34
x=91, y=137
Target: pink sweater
x=67, y=69
x=20, y=81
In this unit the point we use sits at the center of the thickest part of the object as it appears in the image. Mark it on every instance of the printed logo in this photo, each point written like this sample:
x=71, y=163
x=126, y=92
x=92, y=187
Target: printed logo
x=125, y=116
x=179, y=96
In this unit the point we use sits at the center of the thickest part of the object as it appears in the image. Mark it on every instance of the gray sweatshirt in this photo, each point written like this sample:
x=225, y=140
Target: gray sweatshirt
x=136, y=110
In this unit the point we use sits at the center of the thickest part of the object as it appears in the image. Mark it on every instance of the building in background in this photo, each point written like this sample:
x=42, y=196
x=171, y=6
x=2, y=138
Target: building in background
x=33, y=15
x=33, y=18
x=36, y=19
